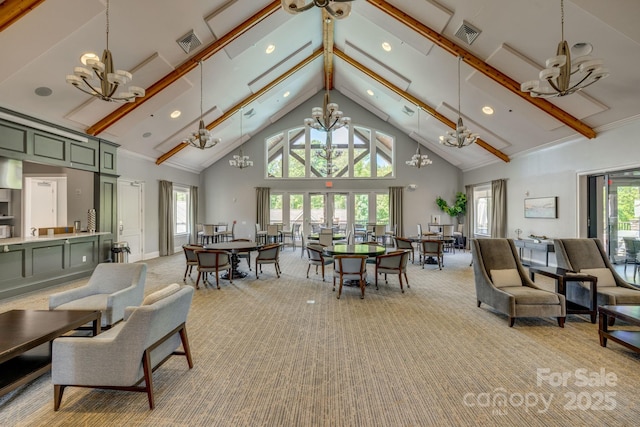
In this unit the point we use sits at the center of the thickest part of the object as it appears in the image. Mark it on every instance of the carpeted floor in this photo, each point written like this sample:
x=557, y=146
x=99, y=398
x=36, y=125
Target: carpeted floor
x=286, y=352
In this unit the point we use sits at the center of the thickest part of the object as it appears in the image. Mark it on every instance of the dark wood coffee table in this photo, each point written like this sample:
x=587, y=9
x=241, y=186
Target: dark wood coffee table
x=25, y=341
x=628, y=313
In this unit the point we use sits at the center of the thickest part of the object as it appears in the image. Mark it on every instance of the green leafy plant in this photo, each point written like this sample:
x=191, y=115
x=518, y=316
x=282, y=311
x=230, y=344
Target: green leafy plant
x=459, y=208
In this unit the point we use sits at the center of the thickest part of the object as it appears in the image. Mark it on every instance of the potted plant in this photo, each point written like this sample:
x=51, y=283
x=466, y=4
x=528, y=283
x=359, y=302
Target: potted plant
x=458, y=209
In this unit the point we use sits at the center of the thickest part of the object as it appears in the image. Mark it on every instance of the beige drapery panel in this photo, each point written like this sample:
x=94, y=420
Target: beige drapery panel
x=395, y=209
x=193, y=213
x=166, y=218
x=499, y=208
x=469, y=215
x=263, y=196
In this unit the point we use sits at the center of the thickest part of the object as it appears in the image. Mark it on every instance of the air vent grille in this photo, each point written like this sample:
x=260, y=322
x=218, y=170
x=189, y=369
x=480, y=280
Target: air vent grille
x=189, y=42
x=467, y=32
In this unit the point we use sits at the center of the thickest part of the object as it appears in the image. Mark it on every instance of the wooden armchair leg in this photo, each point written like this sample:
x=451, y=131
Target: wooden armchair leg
x=58, y=390
x=185, y=346
x=561, y=321
x=146, y=367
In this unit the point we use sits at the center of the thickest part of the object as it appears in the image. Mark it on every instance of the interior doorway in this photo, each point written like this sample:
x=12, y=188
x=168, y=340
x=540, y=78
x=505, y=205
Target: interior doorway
x=131, y=217
x=45, y=201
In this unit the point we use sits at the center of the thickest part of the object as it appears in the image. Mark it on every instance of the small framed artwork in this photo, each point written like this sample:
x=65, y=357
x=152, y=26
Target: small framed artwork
x=541, y=207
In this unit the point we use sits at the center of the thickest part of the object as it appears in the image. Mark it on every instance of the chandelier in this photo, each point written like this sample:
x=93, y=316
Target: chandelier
x=328, y=154
x=339, y=9
x=419, y=160
x=461, y=136
x=202, y=137
x=561, y=68
x=239, y=160
x=328, y=117
x=110, y=79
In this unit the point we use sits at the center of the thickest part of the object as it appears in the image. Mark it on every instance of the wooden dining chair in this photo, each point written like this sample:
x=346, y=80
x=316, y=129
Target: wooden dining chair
x=192, y=259
x=393, y=263
x=268, y=254
x=317, y=258
x=350, y=267
x=432, y=249
x=405, y=244
x=213, y=261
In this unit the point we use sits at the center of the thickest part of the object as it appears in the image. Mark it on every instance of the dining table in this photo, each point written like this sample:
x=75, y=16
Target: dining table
x=368, y=250
x=234, y=247
x=316, y=236
x=427, y=237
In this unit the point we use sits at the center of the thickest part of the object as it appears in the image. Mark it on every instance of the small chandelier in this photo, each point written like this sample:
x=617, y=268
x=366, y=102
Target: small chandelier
x=329, y=154
x=239, y=160
x=339, y=9
x=110, y=79
x=419, y=160
x=462, y=136
x=328, y=117
x=202, y=137
x=561, y=68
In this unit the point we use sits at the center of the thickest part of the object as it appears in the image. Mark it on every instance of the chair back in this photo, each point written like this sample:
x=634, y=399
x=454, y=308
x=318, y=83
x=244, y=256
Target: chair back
x=268, y=253
x=190, y=254
x=496, y=254
x=419, y=230
x=379, y=230
x=208, y=229
x=402, y=243
x=447, y=230
x=326, y=239
x=110, y=277
x=391, y=260
x=577, y=254
x=432, y=248
x=212, y=258
x=631, y=248
x=350, y=267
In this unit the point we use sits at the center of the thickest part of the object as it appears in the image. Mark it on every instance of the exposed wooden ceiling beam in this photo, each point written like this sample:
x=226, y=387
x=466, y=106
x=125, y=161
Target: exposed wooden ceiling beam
x=12, y=10
x=248, y=100
x=430, y=110
x=484, y=68
x=327, y=43
x=185, y=67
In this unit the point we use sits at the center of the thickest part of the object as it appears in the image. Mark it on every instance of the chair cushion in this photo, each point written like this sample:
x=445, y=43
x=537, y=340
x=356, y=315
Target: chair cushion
x=156, y=296
x=91, y=302
x=605, y=278
x=506, y=277
x=531, y=296
x=622, y=295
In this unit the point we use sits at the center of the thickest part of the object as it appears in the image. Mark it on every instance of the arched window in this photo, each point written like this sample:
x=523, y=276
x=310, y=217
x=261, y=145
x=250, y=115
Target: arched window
x=347, y=152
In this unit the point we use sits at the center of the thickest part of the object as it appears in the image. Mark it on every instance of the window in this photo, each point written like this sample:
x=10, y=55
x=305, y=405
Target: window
x=347, y=152
x=181, y=196
x=275, y=208
x=482, y=209
x=382, y=208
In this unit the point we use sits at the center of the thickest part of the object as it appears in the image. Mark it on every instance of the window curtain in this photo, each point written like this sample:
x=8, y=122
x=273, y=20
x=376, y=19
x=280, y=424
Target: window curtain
x=263, y=198
x=395, y=209
x=499, y=209
x=193, y=213
x=469, y=215
x=166, y=218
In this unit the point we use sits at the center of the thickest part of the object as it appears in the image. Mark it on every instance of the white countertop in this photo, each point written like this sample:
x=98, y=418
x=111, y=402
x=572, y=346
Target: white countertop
x=45, y=238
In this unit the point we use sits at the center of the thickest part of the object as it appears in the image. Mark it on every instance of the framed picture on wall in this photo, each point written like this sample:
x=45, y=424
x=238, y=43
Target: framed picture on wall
x=541, y=207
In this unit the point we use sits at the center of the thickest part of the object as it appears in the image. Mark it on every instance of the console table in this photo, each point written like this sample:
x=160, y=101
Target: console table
x=545, y=246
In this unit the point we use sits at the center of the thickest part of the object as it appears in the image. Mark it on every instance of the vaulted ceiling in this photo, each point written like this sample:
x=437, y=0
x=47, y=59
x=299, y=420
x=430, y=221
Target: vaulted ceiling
x=413, y=86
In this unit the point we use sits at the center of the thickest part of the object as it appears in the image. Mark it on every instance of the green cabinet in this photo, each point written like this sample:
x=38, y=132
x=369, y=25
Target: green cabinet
x=13, y=140
x=108, y=158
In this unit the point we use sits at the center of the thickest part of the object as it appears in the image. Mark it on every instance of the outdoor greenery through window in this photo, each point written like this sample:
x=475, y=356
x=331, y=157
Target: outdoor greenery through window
x=181, y=210
x=347, y=152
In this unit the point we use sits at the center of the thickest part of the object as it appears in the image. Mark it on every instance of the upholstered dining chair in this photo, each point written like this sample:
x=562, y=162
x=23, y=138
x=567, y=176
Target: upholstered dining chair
x=229, y=234
x=631, y=252
x=390, y=234
x=261, y=235
x=125, y=356
x=588, y=256
x=317, y=258
x=208, y=233
x=405, y=244
x=273, y=233
x=110, y=289
x=325, y=237
x=268, y=254
x=379, y=233
x=213, y=261
x=350, y=267
x=432, y=249
x=502, y=283
x=192, y=259
x=393, y=263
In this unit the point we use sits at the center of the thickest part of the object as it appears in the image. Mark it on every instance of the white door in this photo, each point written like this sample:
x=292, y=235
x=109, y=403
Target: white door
x=41, y=204
x=131, y=217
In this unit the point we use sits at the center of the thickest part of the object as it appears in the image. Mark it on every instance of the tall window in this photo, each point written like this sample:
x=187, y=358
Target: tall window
x=181, y=215
x=275, y=208
x=347, y=152
x=482, y=208
x=382, y=208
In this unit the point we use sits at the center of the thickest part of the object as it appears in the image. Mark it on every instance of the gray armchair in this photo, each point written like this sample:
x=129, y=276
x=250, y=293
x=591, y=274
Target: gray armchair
x=502, y=283
x=588, y=256
x=125, y=356
x=111, y=288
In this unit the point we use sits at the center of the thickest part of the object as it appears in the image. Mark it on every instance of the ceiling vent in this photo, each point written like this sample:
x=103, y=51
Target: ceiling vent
x=189, y=42
x=467, y=32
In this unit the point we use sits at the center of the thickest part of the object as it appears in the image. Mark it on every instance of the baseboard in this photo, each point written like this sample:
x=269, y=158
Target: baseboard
x=151, y=255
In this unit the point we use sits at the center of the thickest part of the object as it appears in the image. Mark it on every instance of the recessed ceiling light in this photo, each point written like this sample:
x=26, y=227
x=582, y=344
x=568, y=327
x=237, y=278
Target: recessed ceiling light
x=43, y=91
x=487, y=110
x=370, y=92
x=287, y=93
x=146, y=134
x=270, y=48
x=88, y=55
x=175, y=114
x=386, y=46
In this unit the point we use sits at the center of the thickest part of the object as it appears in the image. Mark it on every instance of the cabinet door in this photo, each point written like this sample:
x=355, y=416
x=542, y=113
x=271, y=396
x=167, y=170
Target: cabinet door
x=84, y=155
x=13, y=140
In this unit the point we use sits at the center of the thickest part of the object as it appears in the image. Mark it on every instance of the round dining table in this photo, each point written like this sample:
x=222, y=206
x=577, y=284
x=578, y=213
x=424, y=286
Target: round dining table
x=316, y=236
x=368, y=250
x=234, y=248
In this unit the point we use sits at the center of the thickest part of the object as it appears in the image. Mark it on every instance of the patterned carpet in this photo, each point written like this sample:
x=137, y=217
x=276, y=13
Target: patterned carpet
x=286, y=352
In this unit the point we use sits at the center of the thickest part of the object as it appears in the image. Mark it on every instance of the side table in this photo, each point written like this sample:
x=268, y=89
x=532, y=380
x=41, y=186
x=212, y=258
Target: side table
x=561, y=276
x=628, y=313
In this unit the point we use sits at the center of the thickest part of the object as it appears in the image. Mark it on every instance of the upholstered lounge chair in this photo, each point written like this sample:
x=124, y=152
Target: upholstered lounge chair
x=588, y=256
x=124, y=357
x=502, y=283
x=111, y=288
